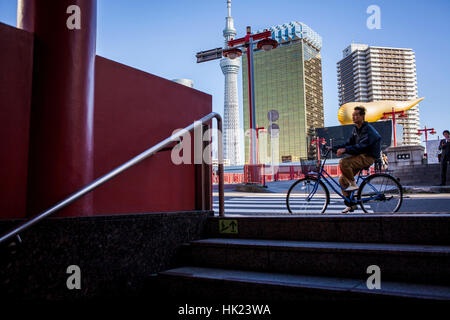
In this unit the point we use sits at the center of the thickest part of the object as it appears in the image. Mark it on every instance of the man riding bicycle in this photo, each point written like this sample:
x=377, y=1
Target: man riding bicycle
x=363, y=148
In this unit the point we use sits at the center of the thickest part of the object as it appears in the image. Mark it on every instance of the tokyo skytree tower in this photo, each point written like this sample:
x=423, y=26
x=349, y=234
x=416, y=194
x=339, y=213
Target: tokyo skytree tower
x=230, y=69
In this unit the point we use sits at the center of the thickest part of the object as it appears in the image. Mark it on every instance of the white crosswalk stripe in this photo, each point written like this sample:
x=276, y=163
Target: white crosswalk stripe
x=276, y=205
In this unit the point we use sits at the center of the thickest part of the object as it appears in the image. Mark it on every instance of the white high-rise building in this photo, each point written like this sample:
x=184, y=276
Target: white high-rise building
x=368, y=73
x=230, y=69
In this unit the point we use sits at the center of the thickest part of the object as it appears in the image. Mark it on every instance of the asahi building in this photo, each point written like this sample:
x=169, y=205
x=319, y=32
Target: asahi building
x=287, y=79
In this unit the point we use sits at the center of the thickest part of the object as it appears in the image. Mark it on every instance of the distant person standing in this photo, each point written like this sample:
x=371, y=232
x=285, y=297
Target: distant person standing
x=444, y=146
x=385, y=160
x=378, y=165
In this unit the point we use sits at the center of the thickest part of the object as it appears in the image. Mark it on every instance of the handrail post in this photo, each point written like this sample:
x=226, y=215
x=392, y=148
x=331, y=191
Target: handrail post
x=220, y=165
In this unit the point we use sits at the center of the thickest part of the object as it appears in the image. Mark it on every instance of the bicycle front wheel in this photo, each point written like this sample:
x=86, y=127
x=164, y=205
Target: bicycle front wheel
x=306, y=196
x=380, y=192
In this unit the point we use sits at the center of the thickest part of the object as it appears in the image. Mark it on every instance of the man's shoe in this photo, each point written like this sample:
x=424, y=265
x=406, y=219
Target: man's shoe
x=350, y=209
x=352, y=187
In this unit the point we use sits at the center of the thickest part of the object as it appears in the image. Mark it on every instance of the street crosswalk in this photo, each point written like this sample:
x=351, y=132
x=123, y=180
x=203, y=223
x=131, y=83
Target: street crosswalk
x=275, y=205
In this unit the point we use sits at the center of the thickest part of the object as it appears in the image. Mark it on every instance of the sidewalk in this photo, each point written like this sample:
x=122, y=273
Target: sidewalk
x=283, y=187
x=426, y=189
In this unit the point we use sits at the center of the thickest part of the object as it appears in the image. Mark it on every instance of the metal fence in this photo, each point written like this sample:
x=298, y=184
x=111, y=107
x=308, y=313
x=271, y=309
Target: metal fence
x=261, y=174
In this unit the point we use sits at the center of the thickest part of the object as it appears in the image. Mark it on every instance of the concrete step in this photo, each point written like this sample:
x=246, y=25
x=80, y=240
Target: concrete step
x=361, y=228
x=190, y=284
x=397, y=262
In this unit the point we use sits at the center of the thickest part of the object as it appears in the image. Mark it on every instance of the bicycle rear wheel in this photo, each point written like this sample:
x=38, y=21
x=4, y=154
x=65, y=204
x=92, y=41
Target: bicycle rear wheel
x=380, y=192
x=307, y=195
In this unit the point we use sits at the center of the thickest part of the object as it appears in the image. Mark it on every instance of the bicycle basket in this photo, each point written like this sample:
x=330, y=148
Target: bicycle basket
x=309, y=166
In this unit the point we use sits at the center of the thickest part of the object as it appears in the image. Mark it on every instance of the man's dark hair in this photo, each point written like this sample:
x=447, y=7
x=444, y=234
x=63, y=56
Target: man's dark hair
x=446, y=131
x=361, y=109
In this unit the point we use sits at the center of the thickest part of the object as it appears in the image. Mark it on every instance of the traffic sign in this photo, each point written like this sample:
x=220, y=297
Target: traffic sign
x=209, y=55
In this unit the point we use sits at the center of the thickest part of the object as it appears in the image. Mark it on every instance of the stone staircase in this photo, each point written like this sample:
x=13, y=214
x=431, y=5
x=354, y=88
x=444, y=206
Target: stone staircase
x=300, y=258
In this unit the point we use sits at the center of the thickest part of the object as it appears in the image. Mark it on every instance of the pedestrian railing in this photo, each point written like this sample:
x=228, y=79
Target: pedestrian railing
x=149, y=152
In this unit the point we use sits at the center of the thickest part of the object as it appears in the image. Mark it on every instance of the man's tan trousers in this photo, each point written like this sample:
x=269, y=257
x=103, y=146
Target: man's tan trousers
x=350, y=166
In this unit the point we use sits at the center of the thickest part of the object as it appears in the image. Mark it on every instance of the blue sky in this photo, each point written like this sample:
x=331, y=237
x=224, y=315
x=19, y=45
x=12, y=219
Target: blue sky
x=162, y=37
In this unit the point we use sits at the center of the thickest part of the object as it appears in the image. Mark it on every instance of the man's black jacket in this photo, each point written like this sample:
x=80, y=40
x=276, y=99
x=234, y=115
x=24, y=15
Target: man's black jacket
x=363, y=140
x=445, y=147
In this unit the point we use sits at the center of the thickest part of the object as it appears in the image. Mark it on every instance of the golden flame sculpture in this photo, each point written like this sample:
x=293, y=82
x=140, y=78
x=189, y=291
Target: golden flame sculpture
x=374, y=110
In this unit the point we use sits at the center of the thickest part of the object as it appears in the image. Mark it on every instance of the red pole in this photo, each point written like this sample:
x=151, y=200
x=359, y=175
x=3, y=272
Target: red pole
x=318, y=149
x=393, y=124
x=257, y=146
x=426, y=139
x=250, y=155
x=248, y=40
x=317, y=140
x=419, y=132
x=393, y=113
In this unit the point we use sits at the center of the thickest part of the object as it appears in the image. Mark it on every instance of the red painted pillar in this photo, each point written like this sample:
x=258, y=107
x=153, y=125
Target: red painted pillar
x=393, y=125
x=61, y=134
x=250, y=144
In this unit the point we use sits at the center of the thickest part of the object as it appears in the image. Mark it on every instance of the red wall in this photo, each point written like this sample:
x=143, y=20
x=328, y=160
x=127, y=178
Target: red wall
x=135, y=110
x=16, y=66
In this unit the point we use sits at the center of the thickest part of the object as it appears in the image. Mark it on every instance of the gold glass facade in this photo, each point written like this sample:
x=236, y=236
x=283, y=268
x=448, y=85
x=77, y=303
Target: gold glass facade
x=287, y=79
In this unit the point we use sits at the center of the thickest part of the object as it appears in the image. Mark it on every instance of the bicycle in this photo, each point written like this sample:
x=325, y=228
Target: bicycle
x=378, y=192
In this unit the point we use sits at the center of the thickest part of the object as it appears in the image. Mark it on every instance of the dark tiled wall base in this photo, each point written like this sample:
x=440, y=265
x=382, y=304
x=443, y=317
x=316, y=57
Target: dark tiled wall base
x=422, y=175
x=116, y=254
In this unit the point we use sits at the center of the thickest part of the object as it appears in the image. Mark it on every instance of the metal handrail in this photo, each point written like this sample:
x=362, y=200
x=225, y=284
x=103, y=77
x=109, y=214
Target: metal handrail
x=127, y=165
